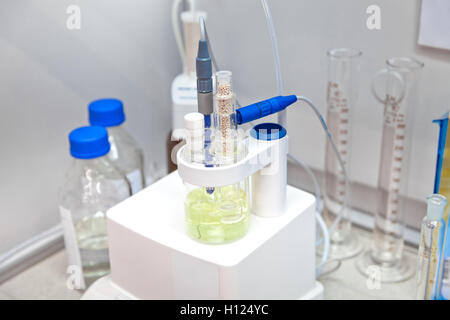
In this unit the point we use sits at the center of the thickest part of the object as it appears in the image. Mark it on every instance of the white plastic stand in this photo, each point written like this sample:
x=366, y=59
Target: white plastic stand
x=266, y=162
x=152, y=256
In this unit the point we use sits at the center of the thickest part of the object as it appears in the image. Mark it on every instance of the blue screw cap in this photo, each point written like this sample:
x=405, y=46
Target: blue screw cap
x=268, y=131
x=106, y=112
x=89, y=142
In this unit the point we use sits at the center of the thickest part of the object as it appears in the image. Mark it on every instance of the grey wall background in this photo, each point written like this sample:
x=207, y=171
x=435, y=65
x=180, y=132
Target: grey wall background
x=126, y=49
x=49, y=74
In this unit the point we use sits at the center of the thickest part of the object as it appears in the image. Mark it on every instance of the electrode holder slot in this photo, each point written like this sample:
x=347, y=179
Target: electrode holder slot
x=260, y=155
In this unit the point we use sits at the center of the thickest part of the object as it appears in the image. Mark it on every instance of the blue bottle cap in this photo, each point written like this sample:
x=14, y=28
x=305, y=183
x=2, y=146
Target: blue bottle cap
x=89, y=142
x=268, y=131
x=106, y=112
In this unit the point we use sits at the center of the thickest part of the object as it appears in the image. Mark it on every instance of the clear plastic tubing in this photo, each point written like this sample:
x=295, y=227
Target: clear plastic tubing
x=430, y=249
x=282, y=115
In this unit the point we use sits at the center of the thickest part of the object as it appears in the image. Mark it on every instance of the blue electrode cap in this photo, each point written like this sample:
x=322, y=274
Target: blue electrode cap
x=106, y=112
x=89, y=142
x=263, y=108
x=268, y=131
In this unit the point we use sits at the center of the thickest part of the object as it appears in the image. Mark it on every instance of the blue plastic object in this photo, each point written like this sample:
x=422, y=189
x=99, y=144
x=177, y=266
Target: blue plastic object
x=443, y=125
x=268, y=131
x=106, y=112
x=264, y=108
x=89, y=142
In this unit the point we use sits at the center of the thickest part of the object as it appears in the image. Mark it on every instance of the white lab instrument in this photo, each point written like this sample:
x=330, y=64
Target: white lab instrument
x=216, y=214
x=175, y=266
x=284, y=243
x=152, y=257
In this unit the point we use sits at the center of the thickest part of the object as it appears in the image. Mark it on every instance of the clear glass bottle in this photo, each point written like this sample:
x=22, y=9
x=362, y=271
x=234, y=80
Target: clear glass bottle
x=92, y=186
x=430, y=249
x=125, y=152
x=220, y=214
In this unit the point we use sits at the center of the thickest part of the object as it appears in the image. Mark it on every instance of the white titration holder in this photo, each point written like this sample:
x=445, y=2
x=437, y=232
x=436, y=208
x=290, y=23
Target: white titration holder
x=152, y=256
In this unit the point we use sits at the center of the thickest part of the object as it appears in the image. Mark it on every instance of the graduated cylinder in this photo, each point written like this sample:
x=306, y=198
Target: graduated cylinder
x=343, y=66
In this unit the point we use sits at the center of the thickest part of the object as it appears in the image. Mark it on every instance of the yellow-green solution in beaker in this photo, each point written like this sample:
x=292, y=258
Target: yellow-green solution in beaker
x=219, y=217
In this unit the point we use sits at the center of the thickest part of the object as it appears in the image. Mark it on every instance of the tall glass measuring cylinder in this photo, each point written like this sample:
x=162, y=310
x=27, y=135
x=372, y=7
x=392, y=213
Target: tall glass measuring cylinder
x=396, y=87
x=343, y=65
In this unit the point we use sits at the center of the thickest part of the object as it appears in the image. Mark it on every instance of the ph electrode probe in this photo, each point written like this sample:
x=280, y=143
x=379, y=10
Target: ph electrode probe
x=205, y=90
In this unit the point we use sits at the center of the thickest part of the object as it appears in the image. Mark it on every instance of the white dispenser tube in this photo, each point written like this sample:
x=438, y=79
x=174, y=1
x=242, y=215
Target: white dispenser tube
x=269, y=183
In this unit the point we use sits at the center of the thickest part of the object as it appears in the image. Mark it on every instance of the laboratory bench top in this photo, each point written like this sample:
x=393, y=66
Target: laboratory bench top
x=47, y=280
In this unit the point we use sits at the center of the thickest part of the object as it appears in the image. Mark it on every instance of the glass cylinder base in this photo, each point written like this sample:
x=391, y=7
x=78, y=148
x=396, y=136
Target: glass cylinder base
x=346, y=249
x=398, y=271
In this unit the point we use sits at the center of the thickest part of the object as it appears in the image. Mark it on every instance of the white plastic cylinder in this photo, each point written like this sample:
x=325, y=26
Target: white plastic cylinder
x=269, y=183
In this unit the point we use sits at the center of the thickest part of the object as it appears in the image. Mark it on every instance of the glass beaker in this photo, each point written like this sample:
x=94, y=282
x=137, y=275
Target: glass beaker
x=396, y=87
x=217, y=214
x=343, y=66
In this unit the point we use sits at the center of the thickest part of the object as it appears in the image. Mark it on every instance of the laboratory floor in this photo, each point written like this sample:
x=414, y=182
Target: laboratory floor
x=47, y=280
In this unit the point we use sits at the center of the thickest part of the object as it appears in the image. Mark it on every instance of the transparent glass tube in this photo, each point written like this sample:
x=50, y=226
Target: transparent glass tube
x=445, y=283
x=225, y=120
x=396, y=87
x=343, y=65
x=430, y=249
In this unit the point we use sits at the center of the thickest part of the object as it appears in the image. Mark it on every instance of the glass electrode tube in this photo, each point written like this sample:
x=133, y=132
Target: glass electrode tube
x=343, y=65
x=430, y=249
x=396, y=87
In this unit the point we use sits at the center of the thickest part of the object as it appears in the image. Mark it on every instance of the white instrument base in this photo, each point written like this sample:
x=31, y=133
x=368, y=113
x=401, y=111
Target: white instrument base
x=152, y=257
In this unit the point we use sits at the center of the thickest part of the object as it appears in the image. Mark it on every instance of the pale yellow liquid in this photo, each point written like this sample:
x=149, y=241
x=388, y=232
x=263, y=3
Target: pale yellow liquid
x=93, y=245
x=220, y=217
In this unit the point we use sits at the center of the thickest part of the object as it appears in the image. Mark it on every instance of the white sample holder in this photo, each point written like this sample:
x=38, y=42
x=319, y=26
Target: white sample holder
x=152, y=256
